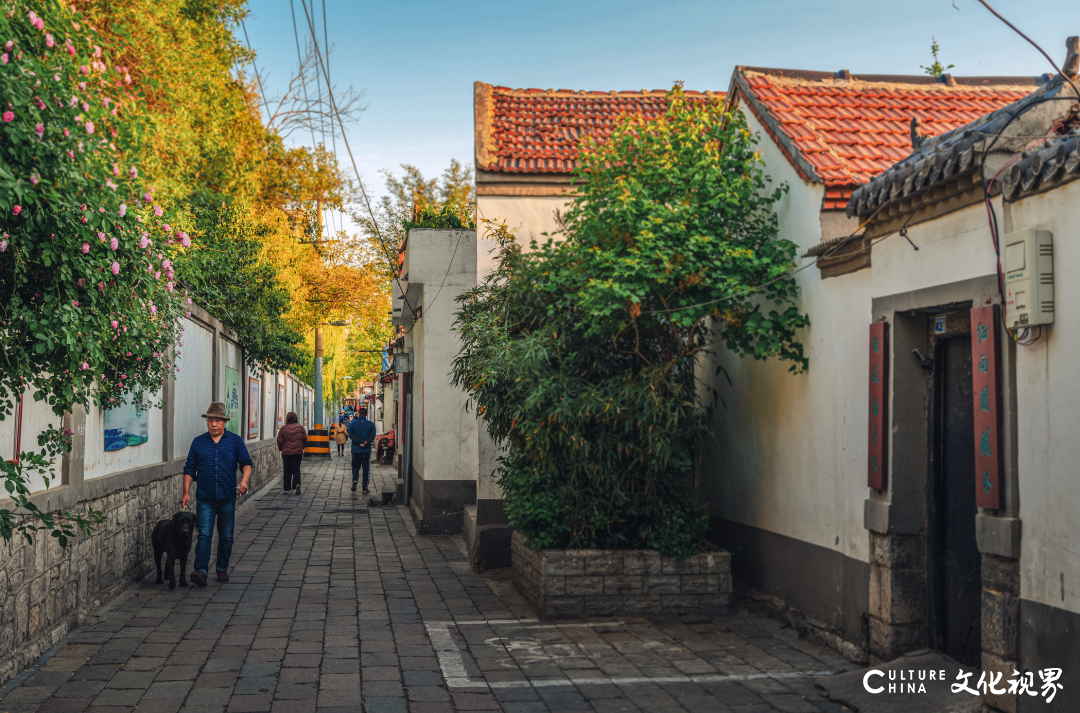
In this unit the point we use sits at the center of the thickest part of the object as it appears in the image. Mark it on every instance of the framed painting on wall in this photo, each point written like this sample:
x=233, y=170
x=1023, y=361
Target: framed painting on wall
x=232, y=399
x=254, y=391
x=280, y=405
x=126, y=425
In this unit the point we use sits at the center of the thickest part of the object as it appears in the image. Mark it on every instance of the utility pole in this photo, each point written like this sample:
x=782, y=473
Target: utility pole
x=318, y=414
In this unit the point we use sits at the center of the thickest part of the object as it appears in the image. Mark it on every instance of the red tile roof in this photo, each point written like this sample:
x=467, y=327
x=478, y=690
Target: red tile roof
x=538, y=131
x=843, y=132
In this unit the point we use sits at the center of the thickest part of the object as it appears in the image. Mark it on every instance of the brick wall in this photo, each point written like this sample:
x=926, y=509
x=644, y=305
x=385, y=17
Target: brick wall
x=582, y=583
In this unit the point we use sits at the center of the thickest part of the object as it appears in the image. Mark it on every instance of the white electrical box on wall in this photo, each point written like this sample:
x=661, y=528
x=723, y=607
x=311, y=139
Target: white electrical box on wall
x=1029, y=278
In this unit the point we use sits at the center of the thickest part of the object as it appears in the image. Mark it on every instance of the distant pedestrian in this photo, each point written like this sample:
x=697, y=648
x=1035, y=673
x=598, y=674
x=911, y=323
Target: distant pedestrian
x=362, y=433
x=212, y=461
x=291, y=441
x=340, y=433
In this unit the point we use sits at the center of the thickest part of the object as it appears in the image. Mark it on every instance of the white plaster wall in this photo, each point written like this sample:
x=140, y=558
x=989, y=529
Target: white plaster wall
x=37, y=416
x=445, y=444
x=528, y=217
x=1048, y=408
x=952, y=248
x=98, y=463
x=788, y=452
x=9, y=429
x=193, y=388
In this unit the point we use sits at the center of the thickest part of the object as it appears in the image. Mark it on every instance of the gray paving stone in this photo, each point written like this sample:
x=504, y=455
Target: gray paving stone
x=337, y=609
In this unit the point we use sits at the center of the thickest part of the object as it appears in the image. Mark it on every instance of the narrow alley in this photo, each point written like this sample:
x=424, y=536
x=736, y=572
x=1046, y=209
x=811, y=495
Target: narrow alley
x=335, y=606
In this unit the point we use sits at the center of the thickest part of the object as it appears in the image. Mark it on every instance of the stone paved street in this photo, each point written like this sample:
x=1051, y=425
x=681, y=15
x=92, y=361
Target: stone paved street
x=335, y=606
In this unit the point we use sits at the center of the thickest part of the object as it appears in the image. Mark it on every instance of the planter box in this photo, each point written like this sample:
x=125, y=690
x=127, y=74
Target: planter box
x=562, y=584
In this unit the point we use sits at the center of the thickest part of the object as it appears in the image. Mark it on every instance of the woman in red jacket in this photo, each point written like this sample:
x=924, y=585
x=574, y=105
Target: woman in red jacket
x=291, y=441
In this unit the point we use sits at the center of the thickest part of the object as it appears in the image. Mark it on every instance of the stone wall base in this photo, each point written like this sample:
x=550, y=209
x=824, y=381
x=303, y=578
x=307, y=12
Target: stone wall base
x=815, y=630
x=488, y=544
x=582, y=583
x=47, y=591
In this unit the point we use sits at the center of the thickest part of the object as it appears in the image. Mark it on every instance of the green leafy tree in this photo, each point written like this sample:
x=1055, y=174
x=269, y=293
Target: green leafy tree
x=449, y=200
x=580, y=355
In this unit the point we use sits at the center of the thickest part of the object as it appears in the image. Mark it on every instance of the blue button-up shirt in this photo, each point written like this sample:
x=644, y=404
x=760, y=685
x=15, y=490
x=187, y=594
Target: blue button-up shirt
x=213, y=465
x=361, y=430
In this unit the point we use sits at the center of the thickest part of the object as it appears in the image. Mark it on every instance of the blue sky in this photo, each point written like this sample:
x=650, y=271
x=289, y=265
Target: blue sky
x=417, y=60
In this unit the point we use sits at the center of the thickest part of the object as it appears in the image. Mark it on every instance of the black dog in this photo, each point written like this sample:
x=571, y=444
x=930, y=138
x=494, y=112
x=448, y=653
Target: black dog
x=173, y=539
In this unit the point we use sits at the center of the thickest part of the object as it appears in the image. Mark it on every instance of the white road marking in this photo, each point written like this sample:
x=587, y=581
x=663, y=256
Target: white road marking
x=450, y=660
x=631, y=680
x=453, y=664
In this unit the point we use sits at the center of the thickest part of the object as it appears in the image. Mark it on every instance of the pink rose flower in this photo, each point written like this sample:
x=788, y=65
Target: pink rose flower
x=84, y=70
x=85, y=248
x=114, y=324
x=85, y=366
x=115, y=268
x=3, y=245
x=123, y=210
x=158, y=211
x=133, y=172
x=9, y=116
x=148, y=198
x=40, y=24
x=89, y=127
x=75, y=303
x=153, y=309
x=16, y=210
x=39, y=129
x=34, y=179
x=4, y=58
x=167, y=264
x=33, y=17
x=49, y=42
x=169, y=287
x=157, y=275
x=8, y=45
x=185, y=241
x=113, y=244
x=115, y=169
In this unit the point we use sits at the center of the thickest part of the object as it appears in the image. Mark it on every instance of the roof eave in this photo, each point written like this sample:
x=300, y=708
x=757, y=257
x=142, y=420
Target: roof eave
x=741, y=88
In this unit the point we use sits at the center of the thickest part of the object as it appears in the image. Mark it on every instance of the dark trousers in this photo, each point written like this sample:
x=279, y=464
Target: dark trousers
x=361, y=461
x=291, y=465
x=341, y=449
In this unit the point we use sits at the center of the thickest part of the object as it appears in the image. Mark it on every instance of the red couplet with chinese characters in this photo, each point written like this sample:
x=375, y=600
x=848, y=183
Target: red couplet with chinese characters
x=984, y=377
x=878, y=406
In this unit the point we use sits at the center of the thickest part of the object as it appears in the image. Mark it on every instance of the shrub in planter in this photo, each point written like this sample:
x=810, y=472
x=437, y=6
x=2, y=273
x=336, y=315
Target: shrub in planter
x=580, y=355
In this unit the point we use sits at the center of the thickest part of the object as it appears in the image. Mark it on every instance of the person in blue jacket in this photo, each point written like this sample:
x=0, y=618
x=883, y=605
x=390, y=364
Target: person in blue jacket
x=362, y=435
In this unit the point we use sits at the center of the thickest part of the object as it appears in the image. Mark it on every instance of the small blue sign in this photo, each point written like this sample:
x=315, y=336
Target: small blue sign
x=939, y=325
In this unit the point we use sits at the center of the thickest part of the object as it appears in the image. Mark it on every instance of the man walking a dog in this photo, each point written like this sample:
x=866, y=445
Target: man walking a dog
x=212, y=461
